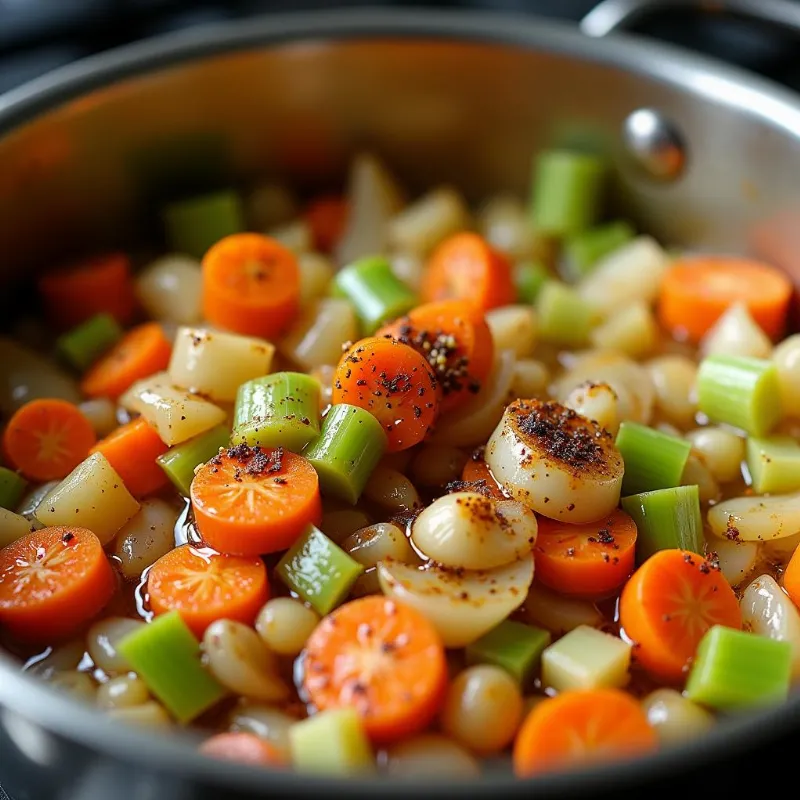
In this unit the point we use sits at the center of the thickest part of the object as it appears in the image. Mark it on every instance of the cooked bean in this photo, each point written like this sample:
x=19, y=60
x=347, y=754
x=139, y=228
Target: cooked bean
x=340, y=524
x=530, y=378
x=103, y=638
x=597, y=401
x=674, y=380
x=78, y=684
x=374, y=543
x=124, y=691
x=696, y=472
x=392, y=490
x=430, y=755
x=149, y=714
x=147, y=537
x=102, y=415
x=263, y=721
x=285, y=625
x=513, y=328
x=722, y=451
x=437, y=466
x=675, y=718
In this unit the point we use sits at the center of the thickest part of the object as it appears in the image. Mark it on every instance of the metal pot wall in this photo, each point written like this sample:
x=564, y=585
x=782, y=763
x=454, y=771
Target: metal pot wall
x=706, y=157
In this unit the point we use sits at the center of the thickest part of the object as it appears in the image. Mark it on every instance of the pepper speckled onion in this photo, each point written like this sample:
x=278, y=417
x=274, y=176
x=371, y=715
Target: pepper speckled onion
x=555, y=461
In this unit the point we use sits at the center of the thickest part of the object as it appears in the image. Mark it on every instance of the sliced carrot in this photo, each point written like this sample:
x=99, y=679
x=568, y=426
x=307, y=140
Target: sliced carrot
x=579, y=728
x=455, y=340
x=142, y=352
x=203, y=586
x=52, y=582
x=250, y=501
x=251, y=285
x=465, y=266
x=327, y=218
x=382, y=658
x=667, y=606
x=478, y=477
x=791, y=577
x=46, y=439
x=80, y=291
x=132, y=450
x=588, y=560
x=394, y=383
x=696, y=291
x=246, y=748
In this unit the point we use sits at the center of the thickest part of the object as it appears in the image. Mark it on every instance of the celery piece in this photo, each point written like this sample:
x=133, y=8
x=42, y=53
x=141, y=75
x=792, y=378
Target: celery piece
x=666, y=519
x=740, y=391
x=167, y=657
x=529, y=277
x=350, y=446
x=181, y=461
x=734, y=670
x=512, y=646
x=84, y=344
x=331, y=743
x=586, y=659
x=567, y=191
x=565, y=318
x=376, y=293
x=280, y=410
x=13, y=526
x=194, y=224
x=12, y=487
x=653, y=460
x=318, y=570
x=774, y=463
x=585, y=249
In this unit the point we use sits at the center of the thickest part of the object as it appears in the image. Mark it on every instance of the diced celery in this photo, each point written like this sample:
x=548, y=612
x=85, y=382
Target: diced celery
x=193, y=225
x=529, y=277
x=318, y=570
x=564, y=317
x=331, y=743
x=774, y=464
x=666, y=519
x=734, y=670
x=586, y=659
x=585, y=249
x=167, y=657
x=12, y=487
x=513, y=646
x=740, y=391
x=653, y=460
x=84, y=344
x=181, y=461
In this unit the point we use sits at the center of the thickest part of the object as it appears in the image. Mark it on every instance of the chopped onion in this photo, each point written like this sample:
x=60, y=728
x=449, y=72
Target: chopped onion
x=736, y=333
x=737, y=560
x=676, y=718
x=170, y=289
x=755, y=519
x=557, y=613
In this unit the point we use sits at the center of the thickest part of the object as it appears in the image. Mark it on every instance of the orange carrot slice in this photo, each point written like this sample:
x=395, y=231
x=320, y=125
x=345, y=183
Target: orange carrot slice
x=250, y=501
x=46, y=439
x=327, y=218
x=791, y=577
x=251, y=285
x=52, y=582
x=382, y=658
x=668, y=605
x=478, y=476
x=579, y=728
x=203, y=586
x=246, y=748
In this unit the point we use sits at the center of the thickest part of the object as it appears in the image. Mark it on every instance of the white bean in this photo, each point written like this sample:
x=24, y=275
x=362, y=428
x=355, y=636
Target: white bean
x=78, y=684
x=513, y=328
x=124, y=691
x=530, y=379
x=675, y=718
x=437, y=466
x=150, y=714
x=430, y=755
x=482, y=709
x=787, y=359
x=147, y=537
x=722, y=451
x=285, y=625
x=103, y=638
x=102, y=415
x=696, y=472
x=316, y=274
x=674, y=380
x=374, y=543
x=340, y=524
x=392, y=490
x=596, y=401
x=263, y=721
x=239, y=659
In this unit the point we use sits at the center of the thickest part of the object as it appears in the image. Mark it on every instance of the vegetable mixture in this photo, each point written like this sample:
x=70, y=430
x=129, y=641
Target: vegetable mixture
x=404, y=486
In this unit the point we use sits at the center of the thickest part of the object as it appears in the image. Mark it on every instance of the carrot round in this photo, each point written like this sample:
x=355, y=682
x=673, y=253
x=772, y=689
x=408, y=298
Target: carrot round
x=251, y=285
x=46, y=439
x=465, y=266
x=581, y=727
x=394, y=383
x=668, y=605
x=456, y=341
x=791, y=577
x=52, y=582
x=80, y=291
x=132, y=450
x=327, y=218
x=696, y=291
x=250, y=501
x=203, y=587
x=143, y=351
x=477, y=474
x=382, y=658
x=246, y=748
x=587, y=560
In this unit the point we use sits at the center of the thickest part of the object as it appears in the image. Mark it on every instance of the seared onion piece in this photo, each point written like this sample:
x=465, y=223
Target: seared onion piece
x=555, y=461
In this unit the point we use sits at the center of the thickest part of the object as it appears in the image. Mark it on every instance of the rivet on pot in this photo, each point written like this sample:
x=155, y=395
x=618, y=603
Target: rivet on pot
x=654, y=144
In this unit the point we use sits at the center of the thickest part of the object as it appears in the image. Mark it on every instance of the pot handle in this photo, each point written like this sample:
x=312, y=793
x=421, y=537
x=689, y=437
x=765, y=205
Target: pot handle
x=615, y=15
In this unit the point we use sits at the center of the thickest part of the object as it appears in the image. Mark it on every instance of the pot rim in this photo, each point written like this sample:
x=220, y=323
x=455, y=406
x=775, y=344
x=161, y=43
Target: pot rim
x=751, y=96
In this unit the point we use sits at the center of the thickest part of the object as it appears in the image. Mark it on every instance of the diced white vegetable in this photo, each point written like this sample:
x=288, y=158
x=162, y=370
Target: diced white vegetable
x=378, y=542
x=269, y=204
x=266, y=722
x=92, y=496
x=102, y=643
x=630, y=274
x=737, y=559
x=530, y=378
x=696, y=473
x=674, y=377
x=756, y=518
x=391, y=489
x=736, y=333
x=216, y=364
x=768, y=611
x=316, y=274
x=430, y=756
x=513, y=328
x=675, y=718
x=12, y=527
x=295, y=236
x=33, y=499
x=462, y=605
x=722, y=451
x=420, y=226
x=147, y=537
x=631, y=330
x=787, y=359
x=170, y=289
x=102, y=415
x=505, y=223
x=466, y=529
x=596, y=401
x=409, y=267
x=176, y=414
x=529, y=456
x=586, y=659
x=317, y=336
x=557, y=613
x=779, y=551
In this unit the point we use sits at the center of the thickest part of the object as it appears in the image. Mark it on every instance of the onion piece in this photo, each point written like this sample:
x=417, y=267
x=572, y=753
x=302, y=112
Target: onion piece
x=736, y=333
x=737, y=560
x=754, y=519
x=557, y=613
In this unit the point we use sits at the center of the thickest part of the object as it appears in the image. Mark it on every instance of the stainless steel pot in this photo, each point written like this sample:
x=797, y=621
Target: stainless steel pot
x=707, y=157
